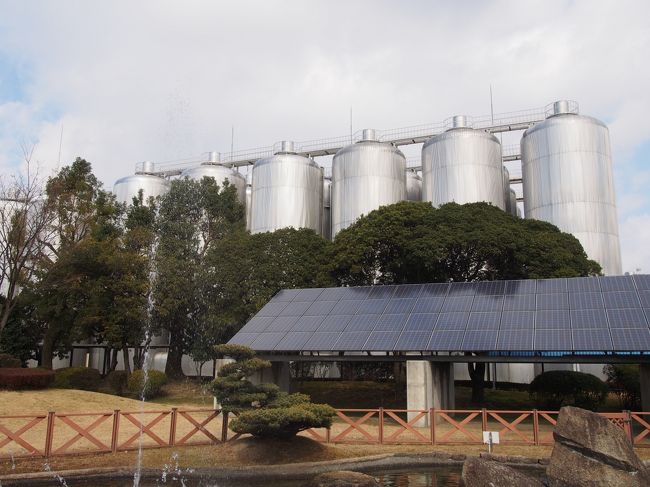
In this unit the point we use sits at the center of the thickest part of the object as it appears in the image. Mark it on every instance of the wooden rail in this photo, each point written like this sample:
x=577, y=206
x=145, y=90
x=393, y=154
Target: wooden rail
x=45, y=435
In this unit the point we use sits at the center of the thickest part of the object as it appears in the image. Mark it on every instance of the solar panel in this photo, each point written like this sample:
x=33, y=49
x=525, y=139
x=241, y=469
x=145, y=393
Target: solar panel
x=308, y=323
x=631, y=339
x=583, y=285
x=627, y=318
x=515, y=340
x=272, y=308
x=434, y=289
x=352, y=340
x=257, y=324
x=552, y=319
x=553, y=340
x=490, y=287
x=412, y=340
x=552, y=301
x=462, y=289
x=243, y=338
x=391, y=322
x=457, y=303
x=293, y=341
x=616, y=283
x=381, y=292
x=551, y=286
x=285, y=295
x=642, y=281
x=372, y=306
x=320, y=308
x=295, y=308
x=333, y=293
x=346, y=307
x=282, y=323
x=592, y=339
x=452, y=321
x=421, y=322
x=379, y=341
x=408, y=291
x=402, y=305
x=428, y=305
x=334, y=323
x=585, y=300
x=484, y=321
x=308, y=295
x=645, y=298
x=266, y=341
x=521, y=287
x=361, y=323
x=512, y=320
x=519, y=302
x=621, y=299
x=479, y=340
x=445, y=341
x=588, y=318
x=487, y=303
x=357, y=293
x=322, y=341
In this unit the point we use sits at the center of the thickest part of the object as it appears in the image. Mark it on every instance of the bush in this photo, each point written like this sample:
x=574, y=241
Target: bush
x=9, y=361
x=19, y=378
x=624, y=381
x=117, y=381
x=82, y=378
x=558, y=388
x=155, y=381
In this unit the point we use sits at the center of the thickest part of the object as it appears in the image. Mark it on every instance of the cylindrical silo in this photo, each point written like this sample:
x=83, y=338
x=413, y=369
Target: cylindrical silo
x=287, y=192
x=327, y=209
x=365, y=176
x=512, y=198
x=249, y=198
x=152, y=185
x=413, y=186
x=462, y=165
x=568, y=181
x=506, y=189
x=214, y=169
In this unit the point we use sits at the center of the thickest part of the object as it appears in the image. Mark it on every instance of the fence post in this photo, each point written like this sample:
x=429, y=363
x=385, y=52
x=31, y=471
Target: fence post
x=381, y=426
x=432, y=425
x=49, y=433
x=628, y=425
x=328, y=434
x=483, y=419
x=535, y=427
x=224, y=427
x=172, y=427
x=116, y=430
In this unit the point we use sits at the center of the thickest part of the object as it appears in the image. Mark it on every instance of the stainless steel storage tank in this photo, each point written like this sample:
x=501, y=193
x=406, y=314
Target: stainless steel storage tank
x=249, y=198
x=506, y=189
x=287, y=192
x=327, y=209
x=413, y=186
x=365, y=176
x=151, y=185
x=462, y=165
x=214, y=169
x=568, y=181
x=512, y=197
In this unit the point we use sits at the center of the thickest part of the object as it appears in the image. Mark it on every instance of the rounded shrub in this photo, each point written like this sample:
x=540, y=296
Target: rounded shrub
x=117, y=381
x=9, y=361
x=155, y=380
x=82, y=378
x=557, y=388
x=22, y=378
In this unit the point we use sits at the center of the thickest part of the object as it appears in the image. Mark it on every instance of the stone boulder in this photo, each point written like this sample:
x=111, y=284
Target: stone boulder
x=478, y=472
x=591, y=451
x=343, y=478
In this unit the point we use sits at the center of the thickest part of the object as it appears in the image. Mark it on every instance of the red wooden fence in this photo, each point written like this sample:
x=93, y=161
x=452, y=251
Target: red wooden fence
x=51, y=434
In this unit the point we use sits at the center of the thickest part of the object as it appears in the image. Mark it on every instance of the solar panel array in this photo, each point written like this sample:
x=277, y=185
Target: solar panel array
x=577, y=314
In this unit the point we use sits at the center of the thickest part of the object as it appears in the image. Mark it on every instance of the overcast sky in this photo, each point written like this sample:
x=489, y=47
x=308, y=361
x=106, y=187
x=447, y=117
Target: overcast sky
x=126, y=81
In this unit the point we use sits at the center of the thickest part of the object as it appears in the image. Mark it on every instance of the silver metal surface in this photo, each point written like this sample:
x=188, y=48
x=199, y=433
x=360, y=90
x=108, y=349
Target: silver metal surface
x=125, y=189
x=220, y=174
x=459, y=121
x=512, y=198
x=413, y=186
x=568, y=181
x=506, y=189
x=365, y=176
x=249, y=199
x=327, y=209
x=287, y=192
x=463, y=165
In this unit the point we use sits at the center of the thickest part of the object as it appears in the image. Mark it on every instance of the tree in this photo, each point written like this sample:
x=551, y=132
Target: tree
x=623, y=380
x=414, y=242
x=243, y=271
x=192, y=217
x=262, y=410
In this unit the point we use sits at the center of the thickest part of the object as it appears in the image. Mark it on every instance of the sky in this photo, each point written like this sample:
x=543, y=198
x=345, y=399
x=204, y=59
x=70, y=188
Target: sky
x=125, y=81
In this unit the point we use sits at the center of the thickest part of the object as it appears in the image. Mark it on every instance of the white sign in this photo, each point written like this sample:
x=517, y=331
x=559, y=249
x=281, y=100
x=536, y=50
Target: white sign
x=491, y=437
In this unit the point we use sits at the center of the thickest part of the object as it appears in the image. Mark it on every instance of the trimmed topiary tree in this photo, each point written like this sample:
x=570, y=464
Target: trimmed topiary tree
x=558, y=388
x=261, y=409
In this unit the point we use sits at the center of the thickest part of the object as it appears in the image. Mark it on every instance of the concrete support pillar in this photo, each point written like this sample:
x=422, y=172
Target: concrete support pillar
x=644, y=371
x=429, y=385
x=278, y=374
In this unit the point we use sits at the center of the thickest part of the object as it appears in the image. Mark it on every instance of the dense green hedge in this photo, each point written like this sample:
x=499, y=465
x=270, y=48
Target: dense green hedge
x=557, y=388
x=155, y=380
x=82, y=378
x=21, y=378
x=117, y=381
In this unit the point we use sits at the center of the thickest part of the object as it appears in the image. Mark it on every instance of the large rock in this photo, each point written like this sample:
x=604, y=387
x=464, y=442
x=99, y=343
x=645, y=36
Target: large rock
x=591, y=451
x=343, y=478
x=478, y=472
